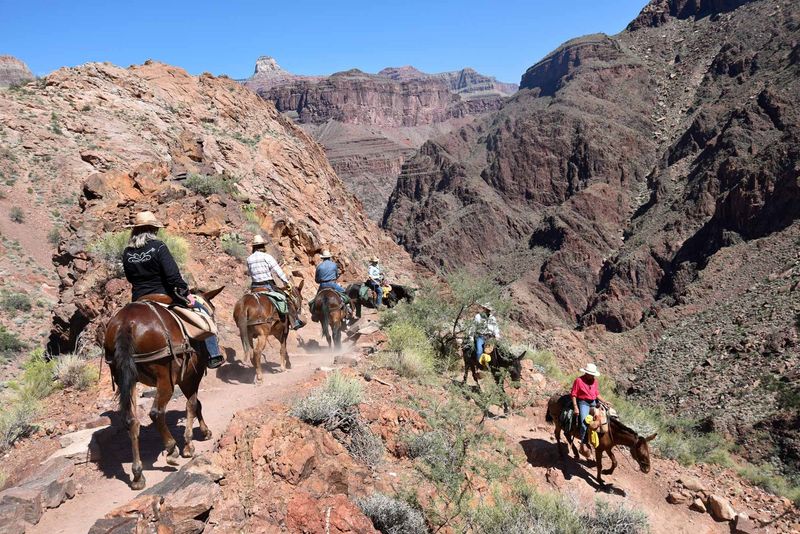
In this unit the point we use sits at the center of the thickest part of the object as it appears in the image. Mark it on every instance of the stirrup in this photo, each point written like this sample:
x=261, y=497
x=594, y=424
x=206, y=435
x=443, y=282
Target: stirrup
x=215, y=361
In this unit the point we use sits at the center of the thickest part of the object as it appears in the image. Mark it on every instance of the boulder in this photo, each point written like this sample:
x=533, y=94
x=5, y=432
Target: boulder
x=692, y=484
x=742, y=524
x=698, y=505
x=719, y=508
x=187, y=493
x=335, y=515
x=20, y=504
x=81, y=446
x=677, y=497
x=115, y=525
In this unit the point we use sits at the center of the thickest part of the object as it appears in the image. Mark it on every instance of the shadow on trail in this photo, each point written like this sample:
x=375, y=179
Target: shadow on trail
x=234, y=371
x=544, y=454
x=116, y=445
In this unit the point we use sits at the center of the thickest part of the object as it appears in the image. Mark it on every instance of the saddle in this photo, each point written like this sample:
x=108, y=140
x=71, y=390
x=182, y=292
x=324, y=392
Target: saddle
x=314, y=316
x=279, y=300
x=194, y=324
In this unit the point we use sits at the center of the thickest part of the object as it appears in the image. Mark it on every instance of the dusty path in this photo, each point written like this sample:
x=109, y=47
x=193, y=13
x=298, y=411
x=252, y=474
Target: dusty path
x=629, y=486
x=224, y=392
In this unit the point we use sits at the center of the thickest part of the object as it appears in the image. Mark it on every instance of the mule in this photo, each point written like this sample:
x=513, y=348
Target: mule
x=397, y=294
x=329, y=309
x=257, y=318
x=149, y=329
x=618, y=434
x=501, y=364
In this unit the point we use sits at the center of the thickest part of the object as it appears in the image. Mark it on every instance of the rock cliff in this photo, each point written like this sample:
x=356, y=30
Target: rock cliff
x=13, y=71
x=643, y=188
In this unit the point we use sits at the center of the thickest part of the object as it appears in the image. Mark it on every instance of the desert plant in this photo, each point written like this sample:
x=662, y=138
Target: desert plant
x=14, y=302
x=16, y=214
x=38, y=376
x=73, y=371
x=609, y=519
x=208, y=185
x=392, y=516
x=16, y=419
x=55, y=127
x=9, y=342
x=233, y=245
x=54, y=236
x=411, y=353
x=331, y=406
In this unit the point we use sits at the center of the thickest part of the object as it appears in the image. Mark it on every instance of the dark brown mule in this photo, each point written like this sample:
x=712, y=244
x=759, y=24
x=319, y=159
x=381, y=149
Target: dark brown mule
x=139, y=328
x=502, y=364
x=618, y=434
x=329, y=309
x=257, y=319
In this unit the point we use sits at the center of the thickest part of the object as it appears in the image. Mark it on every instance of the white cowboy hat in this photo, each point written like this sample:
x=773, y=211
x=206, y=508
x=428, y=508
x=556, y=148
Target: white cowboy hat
x=486, y=306
x=258, y=240
x=374, y=259
x=590, y=369
x=145, y=218
x=326, y=254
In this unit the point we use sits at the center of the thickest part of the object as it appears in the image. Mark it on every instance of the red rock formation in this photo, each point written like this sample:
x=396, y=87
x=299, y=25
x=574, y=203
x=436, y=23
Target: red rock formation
x=13, y=71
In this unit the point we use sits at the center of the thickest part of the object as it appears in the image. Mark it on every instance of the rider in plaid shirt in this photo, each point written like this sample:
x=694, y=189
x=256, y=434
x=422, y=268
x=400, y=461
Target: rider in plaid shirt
x=261, y=267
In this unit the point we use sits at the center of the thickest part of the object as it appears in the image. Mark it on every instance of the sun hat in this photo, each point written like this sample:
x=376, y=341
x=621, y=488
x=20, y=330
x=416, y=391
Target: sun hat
x=258, y=240
x=590, y=369
x=373, y=259
x=145, y=218
x=486, y=306
x=326, y=254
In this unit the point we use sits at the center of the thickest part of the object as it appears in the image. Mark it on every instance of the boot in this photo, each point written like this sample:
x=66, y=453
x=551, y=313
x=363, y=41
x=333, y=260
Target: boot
x=215, y=361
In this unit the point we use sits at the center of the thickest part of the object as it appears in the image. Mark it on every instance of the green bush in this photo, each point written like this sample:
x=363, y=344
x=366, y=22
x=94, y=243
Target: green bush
x=14, y=302
x=9, y=342
x=73, y=371
x=16, y=214
x=233, y=245
x=54, y=237
x=766, y=477
x=110, y=245
x=412, y=354
x=208, y=185
x=16, y=420
x=545, y=362
x=332, y=405
x=38, y=376
x=392, y=516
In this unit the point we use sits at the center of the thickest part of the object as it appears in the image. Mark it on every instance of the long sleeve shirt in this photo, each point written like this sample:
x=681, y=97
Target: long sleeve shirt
x=486, y=325
x=375, y=273
x=151, y=269
x=327, y=271
x=262, y=266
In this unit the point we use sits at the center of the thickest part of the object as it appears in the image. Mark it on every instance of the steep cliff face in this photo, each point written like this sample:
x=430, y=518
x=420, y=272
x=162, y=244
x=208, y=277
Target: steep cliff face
x=370, y=123
x=93, y=145
x=13, y=71
x=640, y=184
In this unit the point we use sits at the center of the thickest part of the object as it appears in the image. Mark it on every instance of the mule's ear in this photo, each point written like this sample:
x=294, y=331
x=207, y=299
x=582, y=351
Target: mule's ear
x=213, y=293
x=650, y=437
x=300, y=285
x=522, y=356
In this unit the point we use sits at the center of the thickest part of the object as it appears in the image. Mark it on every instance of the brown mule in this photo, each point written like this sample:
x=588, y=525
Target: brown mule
x=139, y=328
x=329, y=309
x=257, y=319
x=618, y=434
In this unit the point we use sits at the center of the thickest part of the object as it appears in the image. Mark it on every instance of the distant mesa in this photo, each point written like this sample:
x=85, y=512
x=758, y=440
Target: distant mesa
x=13, y=71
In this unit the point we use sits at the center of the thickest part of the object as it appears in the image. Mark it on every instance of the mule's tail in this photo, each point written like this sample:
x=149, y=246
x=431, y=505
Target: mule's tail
x=548, y=417
x=325, y=320
x=125, y=374
x=241, y=323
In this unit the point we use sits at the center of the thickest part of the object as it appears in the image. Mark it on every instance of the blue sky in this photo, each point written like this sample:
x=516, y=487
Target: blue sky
x=500, y=38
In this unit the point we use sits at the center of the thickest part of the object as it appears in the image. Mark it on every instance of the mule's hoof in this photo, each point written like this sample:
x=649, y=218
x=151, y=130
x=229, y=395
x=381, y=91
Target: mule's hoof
x=188, y=452
x=139, y=484
x=172, y=458
x=208, y=434
x=288, y=365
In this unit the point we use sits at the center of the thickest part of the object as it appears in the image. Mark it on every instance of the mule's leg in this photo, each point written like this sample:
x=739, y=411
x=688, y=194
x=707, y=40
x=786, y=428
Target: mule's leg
x=611, y=469
x=598, y=457
x=259, y=344
x=466, y=372
x=474, y=368
x=132, y=422
x=285, y=363
x=202, y=422
x=189, y=386
x=164, y=391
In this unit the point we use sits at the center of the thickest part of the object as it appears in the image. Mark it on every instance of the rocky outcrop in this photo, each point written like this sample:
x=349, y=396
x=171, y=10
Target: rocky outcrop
x=128, y=139
x=466, y=82
x=13, y=71
x=47, y=487
x=643, y=184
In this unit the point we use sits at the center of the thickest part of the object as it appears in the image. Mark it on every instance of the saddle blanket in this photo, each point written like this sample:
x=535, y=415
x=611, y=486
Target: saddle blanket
x=196, y=323
x=278, y=300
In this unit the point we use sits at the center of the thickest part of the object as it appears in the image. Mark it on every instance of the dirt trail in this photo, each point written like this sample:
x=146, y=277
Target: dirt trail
x=224, y=392
x=628, y=485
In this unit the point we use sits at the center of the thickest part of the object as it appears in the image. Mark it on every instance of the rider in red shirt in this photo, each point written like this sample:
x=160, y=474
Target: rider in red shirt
x=585, y=394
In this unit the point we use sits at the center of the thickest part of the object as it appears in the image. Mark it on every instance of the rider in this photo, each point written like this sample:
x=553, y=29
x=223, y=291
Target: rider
x=155, y=277
x=375, y=281
x=585, y=394
x=485, y=325
x=261, y=266
x=326, y=275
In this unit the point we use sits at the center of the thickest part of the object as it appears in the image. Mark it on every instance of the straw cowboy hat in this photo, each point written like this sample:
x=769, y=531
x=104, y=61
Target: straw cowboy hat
x=486, y=306
x=258, y=241
x=373, y=259
x=326, y=254
x=590, y=369
x=145, y=218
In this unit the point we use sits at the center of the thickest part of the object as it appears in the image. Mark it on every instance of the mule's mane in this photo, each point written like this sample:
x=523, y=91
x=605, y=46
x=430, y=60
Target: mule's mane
x=622, y=426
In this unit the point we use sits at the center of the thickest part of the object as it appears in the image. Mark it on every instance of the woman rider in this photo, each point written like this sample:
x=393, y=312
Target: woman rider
x=155, y=277
x=585, y=394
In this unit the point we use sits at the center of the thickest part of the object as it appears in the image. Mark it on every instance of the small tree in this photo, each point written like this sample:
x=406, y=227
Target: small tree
x=16, y=214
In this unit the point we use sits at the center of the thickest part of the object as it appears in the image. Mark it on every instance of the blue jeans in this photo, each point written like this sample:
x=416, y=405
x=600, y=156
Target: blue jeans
x=583, y=408
x=378, y=291
x=212, y=343
x=268, y=285
x=480, y=342
x=332, y=285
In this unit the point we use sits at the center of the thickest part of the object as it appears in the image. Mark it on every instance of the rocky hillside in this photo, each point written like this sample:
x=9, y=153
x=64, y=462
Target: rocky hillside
x=87, y=147
x=643, y=187
x=13, y=71
x=370, y=123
